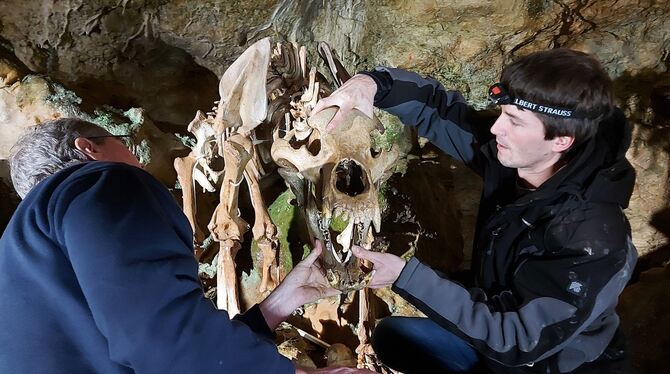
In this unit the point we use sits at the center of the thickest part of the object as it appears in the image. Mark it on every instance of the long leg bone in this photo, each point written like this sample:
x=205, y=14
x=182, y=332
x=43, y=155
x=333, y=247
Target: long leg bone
x=366, y=319
x=265, y=232
x=184, y=167
x=364, y=331
x=226, y=225
x=242, y=107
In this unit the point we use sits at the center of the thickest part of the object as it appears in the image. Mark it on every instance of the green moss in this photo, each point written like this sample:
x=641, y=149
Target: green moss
x=135, y=115
x=400, y=166
x=305, y=250
x=143, y=151
x=65, y=100
x=186, y=140
x=470, y=80
x=282, y=214
x=118, y=122
x=393, y=133
x=382, y=196
x=339, y=223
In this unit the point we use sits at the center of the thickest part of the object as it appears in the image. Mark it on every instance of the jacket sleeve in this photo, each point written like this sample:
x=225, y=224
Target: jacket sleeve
x=441, y=116
x=130, y=248
x=553, y=300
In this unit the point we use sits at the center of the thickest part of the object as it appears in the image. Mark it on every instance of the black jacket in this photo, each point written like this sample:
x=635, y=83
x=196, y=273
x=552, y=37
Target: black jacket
x=549, y=265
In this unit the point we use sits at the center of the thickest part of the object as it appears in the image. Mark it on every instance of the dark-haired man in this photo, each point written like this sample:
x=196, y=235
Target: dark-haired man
x=552, y=247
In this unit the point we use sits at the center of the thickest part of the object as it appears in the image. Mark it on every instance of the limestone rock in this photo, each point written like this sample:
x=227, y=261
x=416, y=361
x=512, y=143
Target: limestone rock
x=165, y=56
x=35, y=98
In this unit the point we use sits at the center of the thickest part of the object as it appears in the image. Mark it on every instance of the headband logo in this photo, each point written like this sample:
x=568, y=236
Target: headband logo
x=541, y=108
x=499, y=96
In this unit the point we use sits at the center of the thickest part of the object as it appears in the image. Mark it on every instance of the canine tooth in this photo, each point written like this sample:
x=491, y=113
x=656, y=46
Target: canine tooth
x=377, y=219
x=345, y=237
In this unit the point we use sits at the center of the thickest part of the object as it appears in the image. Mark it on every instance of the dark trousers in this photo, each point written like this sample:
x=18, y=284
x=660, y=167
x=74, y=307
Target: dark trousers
x=419, y=345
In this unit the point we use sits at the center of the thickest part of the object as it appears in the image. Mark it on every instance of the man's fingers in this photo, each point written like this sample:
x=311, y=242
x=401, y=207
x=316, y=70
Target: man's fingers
x=373, y=283
x=367, y=109
x=337, y=119
x=363, y=253
x=323, y=104
x=312, y=256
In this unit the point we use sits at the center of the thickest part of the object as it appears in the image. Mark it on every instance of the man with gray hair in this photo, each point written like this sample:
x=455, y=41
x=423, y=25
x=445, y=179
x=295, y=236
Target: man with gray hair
x=53, y=146
x=97, y=272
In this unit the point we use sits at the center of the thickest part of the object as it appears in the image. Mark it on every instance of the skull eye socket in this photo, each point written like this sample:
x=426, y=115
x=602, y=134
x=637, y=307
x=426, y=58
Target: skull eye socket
x=350, y=178
x=314, y=147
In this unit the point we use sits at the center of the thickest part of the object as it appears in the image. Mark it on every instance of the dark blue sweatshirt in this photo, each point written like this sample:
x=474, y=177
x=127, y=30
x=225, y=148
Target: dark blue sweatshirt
x=97, y=275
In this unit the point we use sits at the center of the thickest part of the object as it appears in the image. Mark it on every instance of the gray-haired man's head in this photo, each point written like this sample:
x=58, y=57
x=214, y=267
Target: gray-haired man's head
x=55, y=145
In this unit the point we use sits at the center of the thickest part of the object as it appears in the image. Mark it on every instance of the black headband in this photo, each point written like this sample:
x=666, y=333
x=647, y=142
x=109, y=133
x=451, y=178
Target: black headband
x=499, y=96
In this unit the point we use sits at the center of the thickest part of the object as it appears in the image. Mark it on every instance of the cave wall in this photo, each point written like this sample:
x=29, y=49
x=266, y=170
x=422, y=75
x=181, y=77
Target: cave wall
x=165, y=57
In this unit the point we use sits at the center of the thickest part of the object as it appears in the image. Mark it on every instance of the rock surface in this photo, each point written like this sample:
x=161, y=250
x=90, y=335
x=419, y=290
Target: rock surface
x=165, y=56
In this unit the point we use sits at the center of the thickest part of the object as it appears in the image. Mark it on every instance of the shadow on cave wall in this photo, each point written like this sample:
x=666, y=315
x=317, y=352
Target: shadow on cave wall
x=651, y=89
x=160, y=78
x=644, y=316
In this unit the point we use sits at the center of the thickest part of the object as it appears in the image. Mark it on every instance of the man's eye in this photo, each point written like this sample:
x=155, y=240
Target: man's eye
x=515, y=123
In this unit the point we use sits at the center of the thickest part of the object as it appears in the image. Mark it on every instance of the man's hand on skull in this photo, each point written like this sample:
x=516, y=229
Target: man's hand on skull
x=305, y=284
x=387, y=267
x=356, y=93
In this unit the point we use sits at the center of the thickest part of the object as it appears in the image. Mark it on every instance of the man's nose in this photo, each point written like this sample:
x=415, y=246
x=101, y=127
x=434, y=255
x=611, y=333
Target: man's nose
x=497, y=128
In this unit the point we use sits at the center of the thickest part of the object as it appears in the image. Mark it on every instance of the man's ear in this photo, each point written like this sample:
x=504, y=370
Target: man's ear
x=87, y=147
x=563, y=143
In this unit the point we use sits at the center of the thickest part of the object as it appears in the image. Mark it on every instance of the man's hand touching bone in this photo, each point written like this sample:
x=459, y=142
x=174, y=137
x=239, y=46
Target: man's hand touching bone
x=387, y=267
x=356, y=93
x=305, y=284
